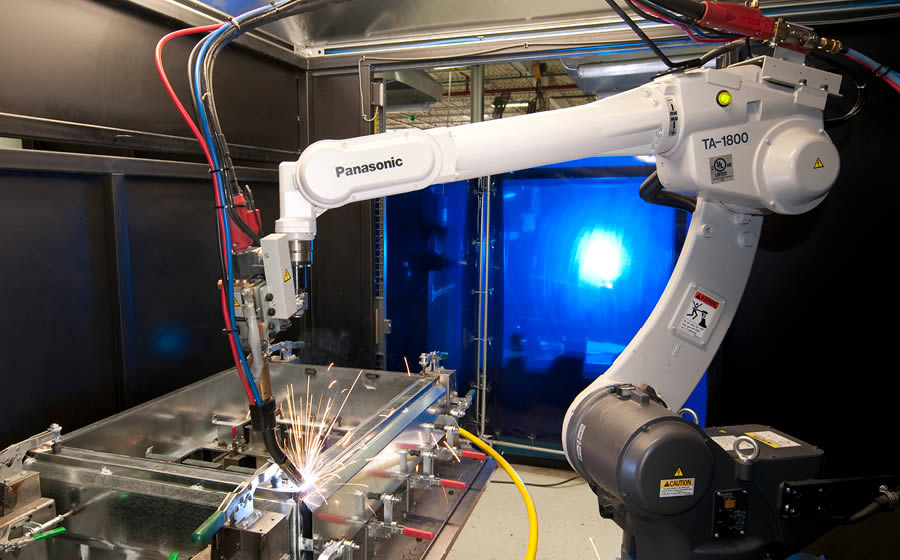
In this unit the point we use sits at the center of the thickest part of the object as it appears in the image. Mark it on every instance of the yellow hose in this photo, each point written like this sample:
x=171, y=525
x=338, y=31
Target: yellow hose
x=531, y=552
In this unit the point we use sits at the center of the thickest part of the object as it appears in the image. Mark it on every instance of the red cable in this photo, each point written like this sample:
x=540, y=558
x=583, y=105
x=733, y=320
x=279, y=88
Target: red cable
x=864, y=65
x=196, y=132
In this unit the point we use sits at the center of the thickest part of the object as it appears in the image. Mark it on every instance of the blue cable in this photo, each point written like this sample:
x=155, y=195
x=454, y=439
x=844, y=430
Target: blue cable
x=207, y=133
x=891, y=75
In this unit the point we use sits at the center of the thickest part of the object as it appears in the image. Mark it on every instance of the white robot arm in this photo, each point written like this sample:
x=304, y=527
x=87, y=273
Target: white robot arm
x=745, y=141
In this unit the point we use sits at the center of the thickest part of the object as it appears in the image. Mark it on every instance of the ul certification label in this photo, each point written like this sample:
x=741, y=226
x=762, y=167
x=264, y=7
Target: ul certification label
x=720, y=169
x=675, y=487
x=698, y=317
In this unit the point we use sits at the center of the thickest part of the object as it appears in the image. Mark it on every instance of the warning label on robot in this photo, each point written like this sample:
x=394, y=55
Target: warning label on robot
x=720, y=169
x=773, y=440
x=699, y=315
x=675, y=487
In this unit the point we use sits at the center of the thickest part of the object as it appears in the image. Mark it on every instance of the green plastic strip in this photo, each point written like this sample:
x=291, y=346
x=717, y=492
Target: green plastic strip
x=208, y=528
x=50, y=533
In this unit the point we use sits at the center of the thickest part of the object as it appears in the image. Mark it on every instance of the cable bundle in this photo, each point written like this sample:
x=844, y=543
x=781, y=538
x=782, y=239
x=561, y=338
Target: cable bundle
x=228, y=192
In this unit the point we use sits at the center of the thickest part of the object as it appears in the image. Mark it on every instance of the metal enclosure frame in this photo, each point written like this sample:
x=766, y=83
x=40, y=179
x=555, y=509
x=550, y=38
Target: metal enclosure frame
x=59, y=99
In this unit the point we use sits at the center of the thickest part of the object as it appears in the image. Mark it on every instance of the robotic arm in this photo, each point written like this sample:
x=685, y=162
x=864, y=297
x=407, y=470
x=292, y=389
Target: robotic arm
x=745, y=141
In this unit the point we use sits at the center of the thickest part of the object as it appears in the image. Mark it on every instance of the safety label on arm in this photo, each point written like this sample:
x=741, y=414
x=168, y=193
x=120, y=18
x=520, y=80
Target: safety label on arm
x=697, y=316
x=675, y=487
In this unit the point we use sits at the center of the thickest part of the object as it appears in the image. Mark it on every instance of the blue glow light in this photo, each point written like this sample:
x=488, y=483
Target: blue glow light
x=601, y=258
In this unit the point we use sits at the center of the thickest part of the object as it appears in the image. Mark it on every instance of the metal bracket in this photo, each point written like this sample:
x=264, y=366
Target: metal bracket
x=11, y=458
x=431, y=362
x=338, y=550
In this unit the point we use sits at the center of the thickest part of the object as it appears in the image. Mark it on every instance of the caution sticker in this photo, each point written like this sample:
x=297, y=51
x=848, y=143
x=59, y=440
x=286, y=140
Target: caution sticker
x=727, y=443
x=697, y=317
x=287, y=275
x=772, y=439
x=818, y=164
x=675, y=487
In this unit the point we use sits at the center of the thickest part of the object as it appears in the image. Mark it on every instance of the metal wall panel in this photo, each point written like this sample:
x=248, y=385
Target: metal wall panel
x=110, y=279
x=175, y=270
x=92, y=62
x=343, y=298
x=58, y=316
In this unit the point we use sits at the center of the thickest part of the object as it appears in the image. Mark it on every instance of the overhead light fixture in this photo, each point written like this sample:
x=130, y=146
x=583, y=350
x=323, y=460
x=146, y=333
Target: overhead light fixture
x=609, y=70
x=514, y=105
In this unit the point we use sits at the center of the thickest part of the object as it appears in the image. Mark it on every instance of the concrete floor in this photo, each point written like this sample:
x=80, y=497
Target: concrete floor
x=567, y=518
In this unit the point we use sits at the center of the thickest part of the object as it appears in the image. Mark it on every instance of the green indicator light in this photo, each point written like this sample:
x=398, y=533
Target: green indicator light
x=723, y=98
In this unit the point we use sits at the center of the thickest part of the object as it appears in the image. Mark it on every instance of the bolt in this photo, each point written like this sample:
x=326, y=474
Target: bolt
x=706, y=230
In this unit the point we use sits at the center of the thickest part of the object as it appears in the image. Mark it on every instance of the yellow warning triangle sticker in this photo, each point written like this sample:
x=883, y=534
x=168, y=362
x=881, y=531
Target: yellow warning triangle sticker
x=287, y=275
x=679, y=473
x=236, y=304
x=819, y=164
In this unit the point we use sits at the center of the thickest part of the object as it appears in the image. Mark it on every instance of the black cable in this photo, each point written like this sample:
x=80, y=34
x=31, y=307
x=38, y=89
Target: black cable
x=232, y=186
x=723, y=49
x=643, y=14
x=643, y=36
x=652, y=191
x=688, y=8
x=887, y=500
x=836, y=64
x=665, y=12
x=536, y=485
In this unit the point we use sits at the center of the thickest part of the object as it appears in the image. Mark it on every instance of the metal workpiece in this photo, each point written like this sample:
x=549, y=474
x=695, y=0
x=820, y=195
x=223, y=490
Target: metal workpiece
x=139, y=482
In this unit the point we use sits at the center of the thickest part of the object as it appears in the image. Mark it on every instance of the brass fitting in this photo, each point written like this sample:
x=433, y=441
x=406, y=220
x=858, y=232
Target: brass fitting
x=801, y=38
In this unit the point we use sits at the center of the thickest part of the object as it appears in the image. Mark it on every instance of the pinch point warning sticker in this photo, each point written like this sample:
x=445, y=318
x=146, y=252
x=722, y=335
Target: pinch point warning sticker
x=698, y=316
x=674, y=487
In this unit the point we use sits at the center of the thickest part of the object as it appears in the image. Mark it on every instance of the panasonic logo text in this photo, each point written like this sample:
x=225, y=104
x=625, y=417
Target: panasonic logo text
x=341, y=171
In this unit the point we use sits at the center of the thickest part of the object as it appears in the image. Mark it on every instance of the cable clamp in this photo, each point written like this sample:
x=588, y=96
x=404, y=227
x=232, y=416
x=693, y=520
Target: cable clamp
x=893, y=497
x=879, y=74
